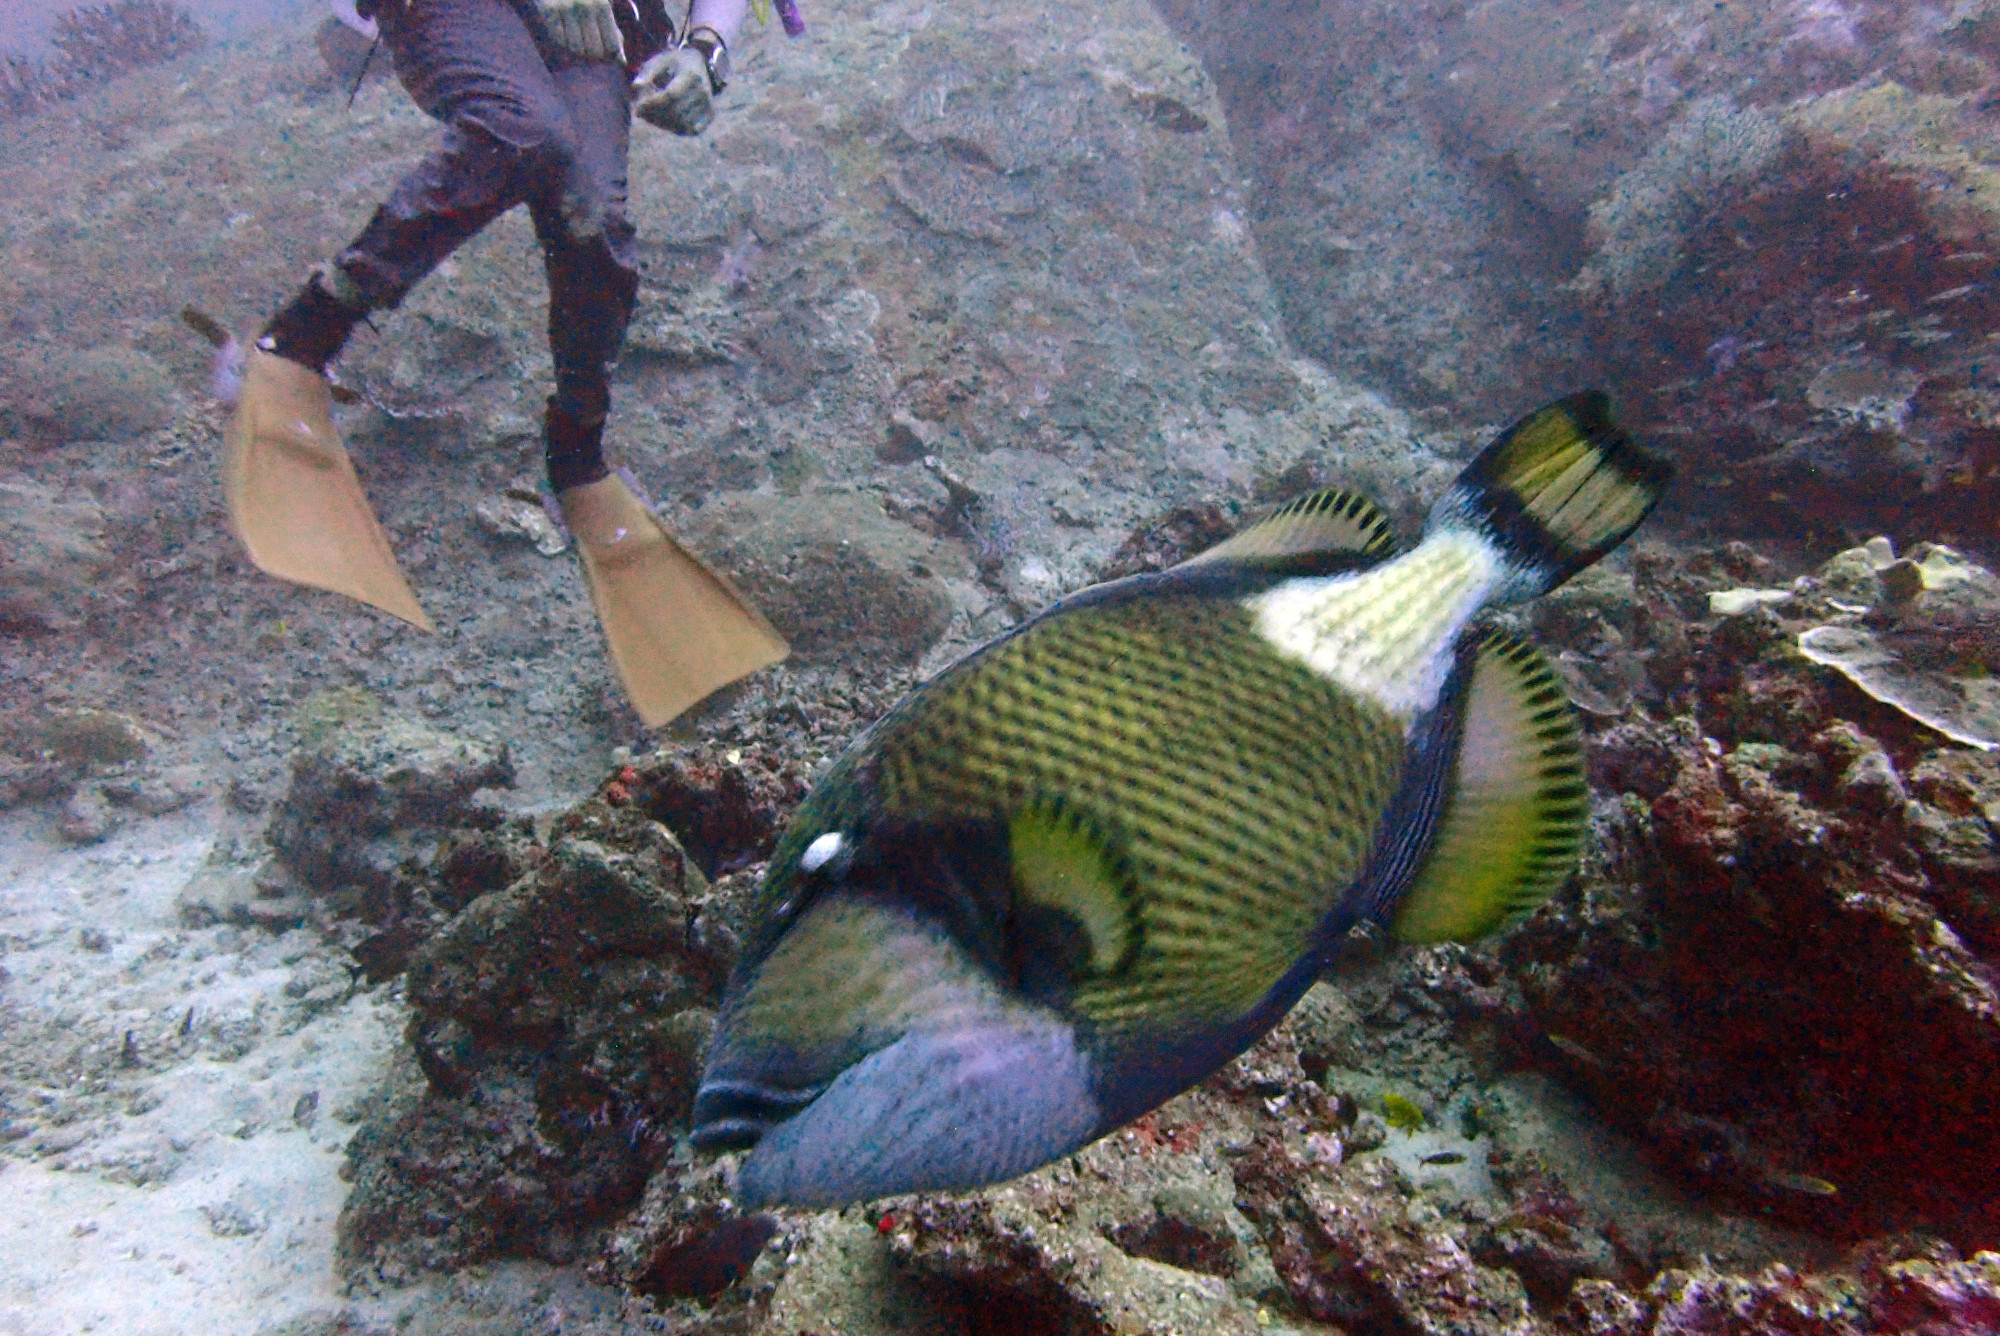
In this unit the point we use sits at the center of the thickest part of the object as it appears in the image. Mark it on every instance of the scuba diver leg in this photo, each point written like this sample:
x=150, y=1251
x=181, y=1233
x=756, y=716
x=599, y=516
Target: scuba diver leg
x=676, y=629
x=574, y=450
x=292, y=491
x=313, y=327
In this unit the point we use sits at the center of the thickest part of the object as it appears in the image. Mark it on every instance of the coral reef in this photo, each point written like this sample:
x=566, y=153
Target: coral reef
x=910, y=370
x=1768, y=229
x=98, y=42
x=559, y=1023
x=1778, y=844
x=94, y=43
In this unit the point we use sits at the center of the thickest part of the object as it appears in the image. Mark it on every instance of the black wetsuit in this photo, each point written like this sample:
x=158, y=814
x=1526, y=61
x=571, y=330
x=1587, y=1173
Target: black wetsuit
x=525, y=123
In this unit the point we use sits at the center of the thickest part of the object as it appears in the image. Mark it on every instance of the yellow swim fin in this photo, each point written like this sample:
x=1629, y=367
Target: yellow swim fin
x=677, y=629
x=293, y=495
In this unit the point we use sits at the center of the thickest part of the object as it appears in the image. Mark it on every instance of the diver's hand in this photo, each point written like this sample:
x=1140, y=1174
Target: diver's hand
x=672, y=92
x=585, y=28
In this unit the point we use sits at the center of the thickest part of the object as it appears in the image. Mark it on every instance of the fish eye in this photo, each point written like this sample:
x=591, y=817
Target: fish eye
x=822, y=851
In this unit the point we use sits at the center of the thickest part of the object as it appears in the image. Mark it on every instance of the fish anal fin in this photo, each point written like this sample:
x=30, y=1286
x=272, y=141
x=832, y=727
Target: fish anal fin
x=1513, y=822
x=1329, y=524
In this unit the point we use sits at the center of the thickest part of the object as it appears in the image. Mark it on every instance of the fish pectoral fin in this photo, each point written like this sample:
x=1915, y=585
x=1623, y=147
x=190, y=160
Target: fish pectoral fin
x=1514, y=814
x=1329, y=528
x=1076, y=902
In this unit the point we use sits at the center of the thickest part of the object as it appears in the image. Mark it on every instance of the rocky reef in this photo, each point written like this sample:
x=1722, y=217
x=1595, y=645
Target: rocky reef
x=952, y=312
x=1775, y=977
x=1781, y=972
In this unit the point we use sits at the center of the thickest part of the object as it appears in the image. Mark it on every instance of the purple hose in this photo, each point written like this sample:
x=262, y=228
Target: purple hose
x=788, y=14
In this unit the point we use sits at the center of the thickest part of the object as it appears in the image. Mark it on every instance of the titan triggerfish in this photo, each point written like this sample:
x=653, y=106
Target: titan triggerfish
x=1097, y=858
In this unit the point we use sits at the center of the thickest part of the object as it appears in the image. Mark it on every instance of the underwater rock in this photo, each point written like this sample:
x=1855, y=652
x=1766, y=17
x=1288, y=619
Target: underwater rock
x=1703, y=1302
x=833, y=572
x=1818, y=349
x=56, y=396
x=514, y=518
x=1003, y=1254
x=1169, y=539
x=1770, y=228
x=158, y=792
x=31, y=781
x=234, y=884
x=87, y=817
x=559, y=1023
x=371, y=793
x=1938, y=1294
x=442, y=1183
x=98, y=42
x=685, y=1239
x=1637, y=230
x=1356, y=1248
x=1965, y=710
x=56, y=558
x=1736, y=602
x=95, y=737
x=727, y=808
x=515, y=960
x=1551, y=1253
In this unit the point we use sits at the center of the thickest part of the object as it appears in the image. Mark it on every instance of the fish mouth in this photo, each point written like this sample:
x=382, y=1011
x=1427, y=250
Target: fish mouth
x=733, y=1115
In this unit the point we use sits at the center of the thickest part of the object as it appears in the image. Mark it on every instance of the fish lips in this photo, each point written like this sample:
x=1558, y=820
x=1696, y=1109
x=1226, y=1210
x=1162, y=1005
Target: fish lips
x=731, y=1115
x=937, y=1110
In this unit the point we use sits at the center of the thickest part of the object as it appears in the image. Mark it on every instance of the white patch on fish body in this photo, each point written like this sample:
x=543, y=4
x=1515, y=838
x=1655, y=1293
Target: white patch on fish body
x=1386, y=633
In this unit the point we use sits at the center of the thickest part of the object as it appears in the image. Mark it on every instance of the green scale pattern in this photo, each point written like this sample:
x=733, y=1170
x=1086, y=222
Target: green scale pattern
x=1241, y=790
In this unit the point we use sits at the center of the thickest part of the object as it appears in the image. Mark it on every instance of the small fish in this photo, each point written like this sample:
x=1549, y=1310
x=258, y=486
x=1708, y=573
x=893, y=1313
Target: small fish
x=1401, y=1113
x=1802, y=1183
x=1096, y=859
x=1443, y=1157
x=1569, y=1048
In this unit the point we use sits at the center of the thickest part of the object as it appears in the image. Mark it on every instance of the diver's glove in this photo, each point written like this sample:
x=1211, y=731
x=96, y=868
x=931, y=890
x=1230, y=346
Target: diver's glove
x=673, y=91
x=585, y=28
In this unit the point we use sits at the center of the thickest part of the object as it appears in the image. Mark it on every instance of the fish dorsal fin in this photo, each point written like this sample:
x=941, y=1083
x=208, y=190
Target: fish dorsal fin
x=1514, y=814
x=1329, y=525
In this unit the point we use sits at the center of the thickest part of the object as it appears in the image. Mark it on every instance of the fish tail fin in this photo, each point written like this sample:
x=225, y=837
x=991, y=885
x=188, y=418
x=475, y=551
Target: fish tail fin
x=1554, y=492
